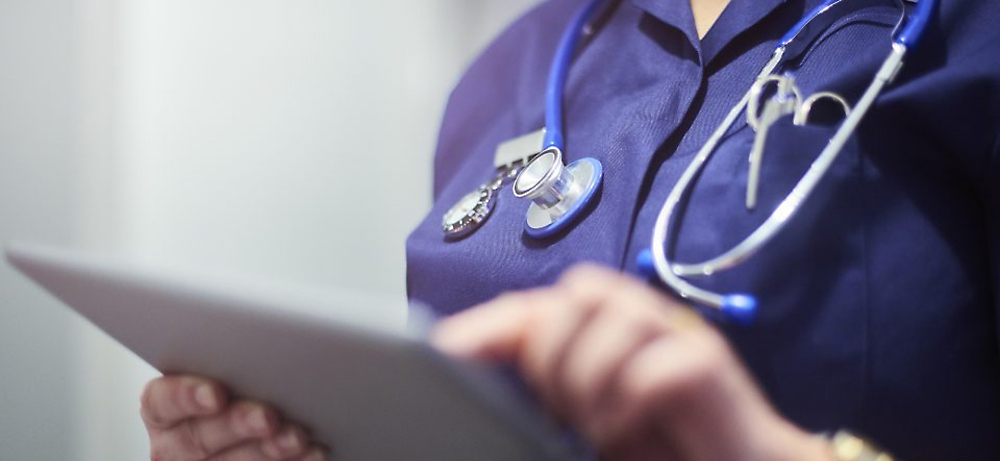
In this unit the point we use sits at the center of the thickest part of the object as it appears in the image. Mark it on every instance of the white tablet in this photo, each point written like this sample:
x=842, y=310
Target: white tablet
x=372, y=392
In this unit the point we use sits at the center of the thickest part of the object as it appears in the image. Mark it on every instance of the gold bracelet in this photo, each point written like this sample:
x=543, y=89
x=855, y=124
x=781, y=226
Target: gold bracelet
x=849, y=447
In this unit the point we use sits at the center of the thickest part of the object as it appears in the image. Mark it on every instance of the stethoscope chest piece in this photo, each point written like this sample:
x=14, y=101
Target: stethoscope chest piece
x=559, y=193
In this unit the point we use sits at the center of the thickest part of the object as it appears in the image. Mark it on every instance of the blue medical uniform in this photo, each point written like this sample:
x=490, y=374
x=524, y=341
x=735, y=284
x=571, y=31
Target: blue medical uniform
x=878, y=303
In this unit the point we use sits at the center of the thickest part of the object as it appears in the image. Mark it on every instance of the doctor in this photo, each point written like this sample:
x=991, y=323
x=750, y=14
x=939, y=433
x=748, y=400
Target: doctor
x=876, y=303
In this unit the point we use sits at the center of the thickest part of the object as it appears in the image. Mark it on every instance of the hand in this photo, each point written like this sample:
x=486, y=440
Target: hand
x=190, y=418
x=639, y=375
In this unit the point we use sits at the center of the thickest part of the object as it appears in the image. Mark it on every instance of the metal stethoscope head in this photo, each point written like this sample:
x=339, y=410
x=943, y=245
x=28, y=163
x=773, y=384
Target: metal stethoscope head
x=742, y=307
x=559, y=193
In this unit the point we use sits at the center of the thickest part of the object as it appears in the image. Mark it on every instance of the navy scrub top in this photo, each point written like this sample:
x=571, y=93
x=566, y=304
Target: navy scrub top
x=878, y=303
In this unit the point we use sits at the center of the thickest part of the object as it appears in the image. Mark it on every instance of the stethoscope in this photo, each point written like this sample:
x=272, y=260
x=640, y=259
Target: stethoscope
x=785, y=100
x=559, y=193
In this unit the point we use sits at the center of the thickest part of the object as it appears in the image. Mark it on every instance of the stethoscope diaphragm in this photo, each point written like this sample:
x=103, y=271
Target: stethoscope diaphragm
x=558, y=193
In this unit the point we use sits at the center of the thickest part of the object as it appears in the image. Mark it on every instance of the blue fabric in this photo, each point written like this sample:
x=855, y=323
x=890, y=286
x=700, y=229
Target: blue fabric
x=878, y=303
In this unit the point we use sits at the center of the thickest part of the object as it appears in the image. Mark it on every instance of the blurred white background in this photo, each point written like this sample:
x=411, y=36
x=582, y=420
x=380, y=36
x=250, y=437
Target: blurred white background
x=289, y=139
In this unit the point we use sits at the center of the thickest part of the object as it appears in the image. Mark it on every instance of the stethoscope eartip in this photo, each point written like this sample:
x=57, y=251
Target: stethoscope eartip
x=739, y=308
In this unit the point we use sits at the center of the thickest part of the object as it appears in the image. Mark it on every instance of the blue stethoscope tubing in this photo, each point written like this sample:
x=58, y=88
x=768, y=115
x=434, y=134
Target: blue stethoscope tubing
x=559, y=72
x=568, y=189
x=741, y=307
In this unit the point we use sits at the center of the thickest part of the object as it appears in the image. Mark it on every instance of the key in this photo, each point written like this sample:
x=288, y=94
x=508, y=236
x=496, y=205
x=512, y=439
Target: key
x=783, y=102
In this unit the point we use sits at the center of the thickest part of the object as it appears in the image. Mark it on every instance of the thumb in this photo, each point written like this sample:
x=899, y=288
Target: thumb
x=493, y=331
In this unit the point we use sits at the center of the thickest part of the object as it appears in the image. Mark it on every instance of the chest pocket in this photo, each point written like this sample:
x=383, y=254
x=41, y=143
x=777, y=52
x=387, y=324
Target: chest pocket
x=717, y=218
x=824, y=239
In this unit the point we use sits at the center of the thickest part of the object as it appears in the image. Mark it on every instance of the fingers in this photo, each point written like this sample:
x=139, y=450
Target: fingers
x=605, y=351
x=496, y=330
x=290, y=442
x=646, y=444
x=252, y=452
x=553, y=328
x=315, y=454
x=169, y=400
x=590, y=284
x=642, y=376
x=256, y=452
x=648, y=379
x=492, y=331
x=600, y=352
x=244, y=452
x=627, y=316
x=685, y=386
x=200, y=438
x=188, y=419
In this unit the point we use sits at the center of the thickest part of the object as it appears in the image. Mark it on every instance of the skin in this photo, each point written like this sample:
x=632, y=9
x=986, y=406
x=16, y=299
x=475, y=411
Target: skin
x=705, y=13
x=191, y=418
x=639, y=375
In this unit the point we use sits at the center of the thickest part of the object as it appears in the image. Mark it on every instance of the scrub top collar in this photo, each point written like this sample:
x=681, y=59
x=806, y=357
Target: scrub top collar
x=738, y=16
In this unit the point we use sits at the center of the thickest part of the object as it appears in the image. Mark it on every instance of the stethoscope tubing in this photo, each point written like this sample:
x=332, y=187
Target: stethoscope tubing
x=910, y=35
x=735, y=306
x=559, y=198
x=738, y=306
x=559, y=73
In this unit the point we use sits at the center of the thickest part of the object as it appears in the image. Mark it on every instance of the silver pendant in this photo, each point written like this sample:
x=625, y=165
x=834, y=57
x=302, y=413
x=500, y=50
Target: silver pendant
x=469, y=213
x=473, y=208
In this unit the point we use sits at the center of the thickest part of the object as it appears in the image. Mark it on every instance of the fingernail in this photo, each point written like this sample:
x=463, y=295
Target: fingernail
x=205, y=396
x=257, y=420
x=289, y=442
x=450, y=340
x=271, y=450
x=316, y=455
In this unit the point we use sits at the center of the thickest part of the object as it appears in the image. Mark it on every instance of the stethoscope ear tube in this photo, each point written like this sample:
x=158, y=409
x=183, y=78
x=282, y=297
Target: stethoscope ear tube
x=916, y=23
x=801, y=36
x=738, y=307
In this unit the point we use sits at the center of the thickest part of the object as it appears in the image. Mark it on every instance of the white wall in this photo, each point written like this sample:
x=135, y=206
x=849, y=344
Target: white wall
x=35, y=202
x=285, y=137
x=290, y=139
